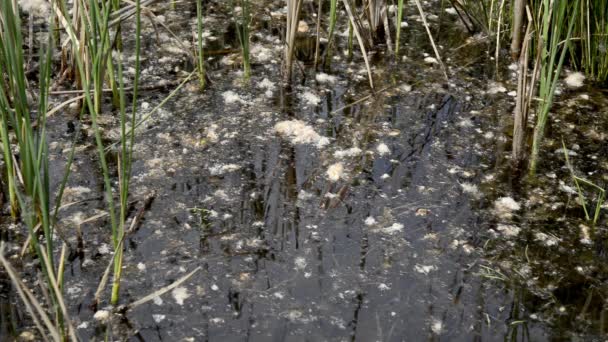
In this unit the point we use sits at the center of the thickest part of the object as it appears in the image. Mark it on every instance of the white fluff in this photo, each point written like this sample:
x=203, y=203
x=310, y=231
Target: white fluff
x=231, y=97
x=394, y=228
x=505, y=206
x=36, y=7
x=300, y=263
x=546, y=239
x=470, y=189
x=102, y=316
x=260, y=53
x=311, y=98
x=300, y=133
x=267, y=84
x=575, y=80
x=325, y=78
x=495, y=88
x=383, y=149
x=425, y=269
x=370, y=221
x=508, y=230
x=335, y=172
x=180, y=294
x=219, y=169
x=431, y=60
x=158, y=318
x=436, y=326
x=351, y=152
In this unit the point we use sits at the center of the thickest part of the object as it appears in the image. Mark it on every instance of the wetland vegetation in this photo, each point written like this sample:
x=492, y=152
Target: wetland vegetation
x=328, y=170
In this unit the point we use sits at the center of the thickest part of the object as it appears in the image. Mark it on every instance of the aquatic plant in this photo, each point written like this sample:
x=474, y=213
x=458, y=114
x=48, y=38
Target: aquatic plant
x=398, y=25
x=242, y=30
x=333, y=6
x=592, y=28
x=578, y=182
x=200, y=56
x=555, y=23
x=28, y=176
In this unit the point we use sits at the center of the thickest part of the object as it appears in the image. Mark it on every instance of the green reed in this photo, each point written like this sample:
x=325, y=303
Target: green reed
x=555, y=23
x=398, y=25
x=242, y=29
x=200, y=57
x=28, y=176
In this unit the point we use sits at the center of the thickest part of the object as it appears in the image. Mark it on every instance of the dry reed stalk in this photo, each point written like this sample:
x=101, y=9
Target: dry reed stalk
x=291, y=29
x=356, y=29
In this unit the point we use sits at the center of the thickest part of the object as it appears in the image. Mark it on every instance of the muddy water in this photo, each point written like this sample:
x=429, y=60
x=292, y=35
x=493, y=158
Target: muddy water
x=406, y=244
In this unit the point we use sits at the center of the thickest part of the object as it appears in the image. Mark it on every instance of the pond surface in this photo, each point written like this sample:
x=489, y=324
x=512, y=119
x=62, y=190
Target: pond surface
x=318, y=212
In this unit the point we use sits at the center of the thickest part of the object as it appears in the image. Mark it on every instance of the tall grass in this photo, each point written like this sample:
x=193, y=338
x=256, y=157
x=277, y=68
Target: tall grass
x=555, y=22
x=28, y=176
x=593, y=30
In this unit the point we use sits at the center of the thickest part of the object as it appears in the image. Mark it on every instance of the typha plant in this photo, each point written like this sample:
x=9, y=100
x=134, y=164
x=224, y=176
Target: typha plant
x=23, y=130
x=555, y=24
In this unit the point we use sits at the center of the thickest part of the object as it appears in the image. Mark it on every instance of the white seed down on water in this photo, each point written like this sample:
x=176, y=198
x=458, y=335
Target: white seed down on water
x=505, y=206
x=180, y=294
x=508, y=230
x=36, y=7
x=335, y=172
x=300, y=133
x=575, y=80
x=102, y=316
x=351, y=152
x=383, y=149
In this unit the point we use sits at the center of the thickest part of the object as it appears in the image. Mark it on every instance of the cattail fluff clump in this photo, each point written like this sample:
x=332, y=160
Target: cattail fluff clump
x=41, y=8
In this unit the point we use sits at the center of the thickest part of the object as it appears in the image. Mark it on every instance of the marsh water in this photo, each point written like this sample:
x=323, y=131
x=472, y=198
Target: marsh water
x=427, y=234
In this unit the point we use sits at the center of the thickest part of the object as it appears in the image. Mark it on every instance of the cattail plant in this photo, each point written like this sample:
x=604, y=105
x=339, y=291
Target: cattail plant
x=555, y=23
x=28, y=177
